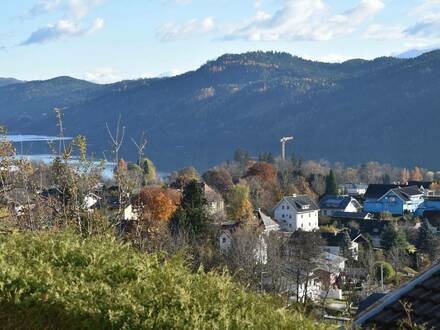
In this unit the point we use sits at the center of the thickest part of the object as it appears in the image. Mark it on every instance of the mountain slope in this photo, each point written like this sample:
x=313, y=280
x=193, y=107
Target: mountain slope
x=385, y=109
x=9, y=81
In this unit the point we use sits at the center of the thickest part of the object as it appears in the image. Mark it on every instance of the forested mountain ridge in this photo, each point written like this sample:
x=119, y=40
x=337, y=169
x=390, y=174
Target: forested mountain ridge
x=386, y=109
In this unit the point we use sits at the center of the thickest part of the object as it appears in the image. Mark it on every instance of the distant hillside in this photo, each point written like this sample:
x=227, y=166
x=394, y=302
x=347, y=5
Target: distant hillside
x=8, y=81
x=386, y=109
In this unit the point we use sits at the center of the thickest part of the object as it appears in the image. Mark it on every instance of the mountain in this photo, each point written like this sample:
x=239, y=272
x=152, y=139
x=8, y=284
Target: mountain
x=9, y=81
x=412, y=53
x=385, y=109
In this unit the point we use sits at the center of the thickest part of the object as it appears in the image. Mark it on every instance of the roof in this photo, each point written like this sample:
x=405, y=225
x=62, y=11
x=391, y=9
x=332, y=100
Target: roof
x=210, y=194
x=405, y=193
x=421, y=184
x=301, y=203
x=268, y=222
x=370, y=300
x=335, y=202
x=376, y=191
x=422, y=293
x=335, y=239
x=350, y=215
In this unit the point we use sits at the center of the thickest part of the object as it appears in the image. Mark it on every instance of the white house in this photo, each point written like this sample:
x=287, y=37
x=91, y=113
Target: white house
x=130, y=213
x=353, y=189
x=331, y=204
x=297, y=212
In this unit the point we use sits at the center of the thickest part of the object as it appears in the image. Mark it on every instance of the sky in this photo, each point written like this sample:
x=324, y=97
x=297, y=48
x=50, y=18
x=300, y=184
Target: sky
x=109, y=40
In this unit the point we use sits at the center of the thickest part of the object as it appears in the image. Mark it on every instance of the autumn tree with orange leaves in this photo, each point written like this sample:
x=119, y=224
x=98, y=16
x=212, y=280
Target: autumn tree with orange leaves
x=156, y=203
x=265, y=171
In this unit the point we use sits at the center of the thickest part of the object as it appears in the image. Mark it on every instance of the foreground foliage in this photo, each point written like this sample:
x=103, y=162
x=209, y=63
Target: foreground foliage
x=59, y=280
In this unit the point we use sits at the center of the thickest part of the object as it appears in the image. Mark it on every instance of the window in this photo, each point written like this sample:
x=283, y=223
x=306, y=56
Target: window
x=310, y=215
x=288, y=207
x=290, y=216
x=282, y=207
x=224, y=239
x=283, y=215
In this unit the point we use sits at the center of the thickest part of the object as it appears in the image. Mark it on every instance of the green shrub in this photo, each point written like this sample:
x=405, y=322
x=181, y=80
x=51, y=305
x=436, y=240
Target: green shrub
x=388, y=271
x=59, y=280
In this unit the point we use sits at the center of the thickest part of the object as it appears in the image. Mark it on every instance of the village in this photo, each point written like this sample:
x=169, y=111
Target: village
x=331, y=239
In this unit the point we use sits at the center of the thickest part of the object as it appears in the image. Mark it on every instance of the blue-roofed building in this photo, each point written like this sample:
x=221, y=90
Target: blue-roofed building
x=331, y=204
x=396, y=201
x=430, y=204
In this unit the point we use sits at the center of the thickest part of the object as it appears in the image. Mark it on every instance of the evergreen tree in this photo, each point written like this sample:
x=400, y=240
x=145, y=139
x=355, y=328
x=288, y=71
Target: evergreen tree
x=149, y=170
x=427, y=242
x=331, y=188
x=192, y=214
x=393, y=237
x=241, y=156
x=345, y=245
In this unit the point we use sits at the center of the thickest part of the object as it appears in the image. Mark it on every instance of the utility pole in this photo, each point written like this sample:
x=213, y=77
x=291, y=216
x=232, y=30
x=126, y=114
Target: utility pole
x=283, y=141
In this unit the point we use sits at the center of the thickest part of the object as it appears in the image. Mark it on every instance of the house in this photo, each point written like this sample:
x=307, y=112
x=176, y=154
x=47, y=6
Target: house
x=376, y=191
x=424, y=186
x=130, y=213
x=352, y=215
x=225, y=235
x=421, y=298
x=296, y=212
x=330, y=204
x=353, y=189
x=91, y=201
x=396, y=201
x=268, y=224
x=216, y=204
x=333, y=243
x=430, y=204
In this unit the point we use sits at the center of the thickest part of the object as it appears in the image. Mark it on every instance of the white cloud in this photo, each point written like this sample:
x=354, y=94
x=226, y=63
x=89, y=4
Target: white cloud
x=71, y=8
x=63, y=28
x=425, y=30
x=171, y=73
x=103, y=75
x=172, y=31
x=382, y=32
x=81, y=8
x=333, y=58
x=305, y=20
x=42, y=7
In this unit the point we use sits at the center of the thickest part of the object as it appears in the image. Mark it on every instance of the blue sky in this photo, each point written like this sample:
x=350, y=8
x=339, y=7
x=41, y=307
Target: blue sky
x=109, y=40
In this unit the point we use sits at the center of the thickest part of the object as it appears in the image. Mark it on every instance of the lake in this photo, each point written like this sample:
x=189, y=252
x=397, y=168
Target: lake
x=47, y=158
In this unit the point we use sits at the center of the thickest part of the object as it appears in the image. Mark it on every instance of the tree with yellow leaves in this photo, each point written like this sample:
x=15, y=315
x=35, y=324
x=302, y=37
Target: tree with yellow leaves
x=239, y=206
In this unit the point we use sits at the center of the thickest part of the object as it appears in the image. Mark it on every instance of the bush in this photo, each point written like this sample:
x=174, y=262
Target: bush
x=388, y=271
x=59, y=280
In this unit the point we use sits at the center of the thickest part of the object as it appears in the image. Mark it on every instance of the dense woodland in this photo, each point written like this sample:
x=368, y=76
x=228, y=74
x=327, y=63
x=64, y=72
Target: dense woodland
x=385, y=110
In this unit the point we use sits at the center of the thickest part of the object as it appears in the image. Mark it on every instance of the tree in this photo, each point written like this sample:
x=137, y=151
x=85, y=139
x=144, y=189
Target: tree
x=149, y=170
x=180, y=179
x=267, y=157
x=427, y=242
x=239, y=206
x=265, y=171
x=220, y=179
x=192, y=214
x=416, y=174
x=382, y=267
x=303, y=248
x=241, y=156
x=393, y=237
x=404, y=176
x=345, y=245
x=331, y=187
x=155, y=203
